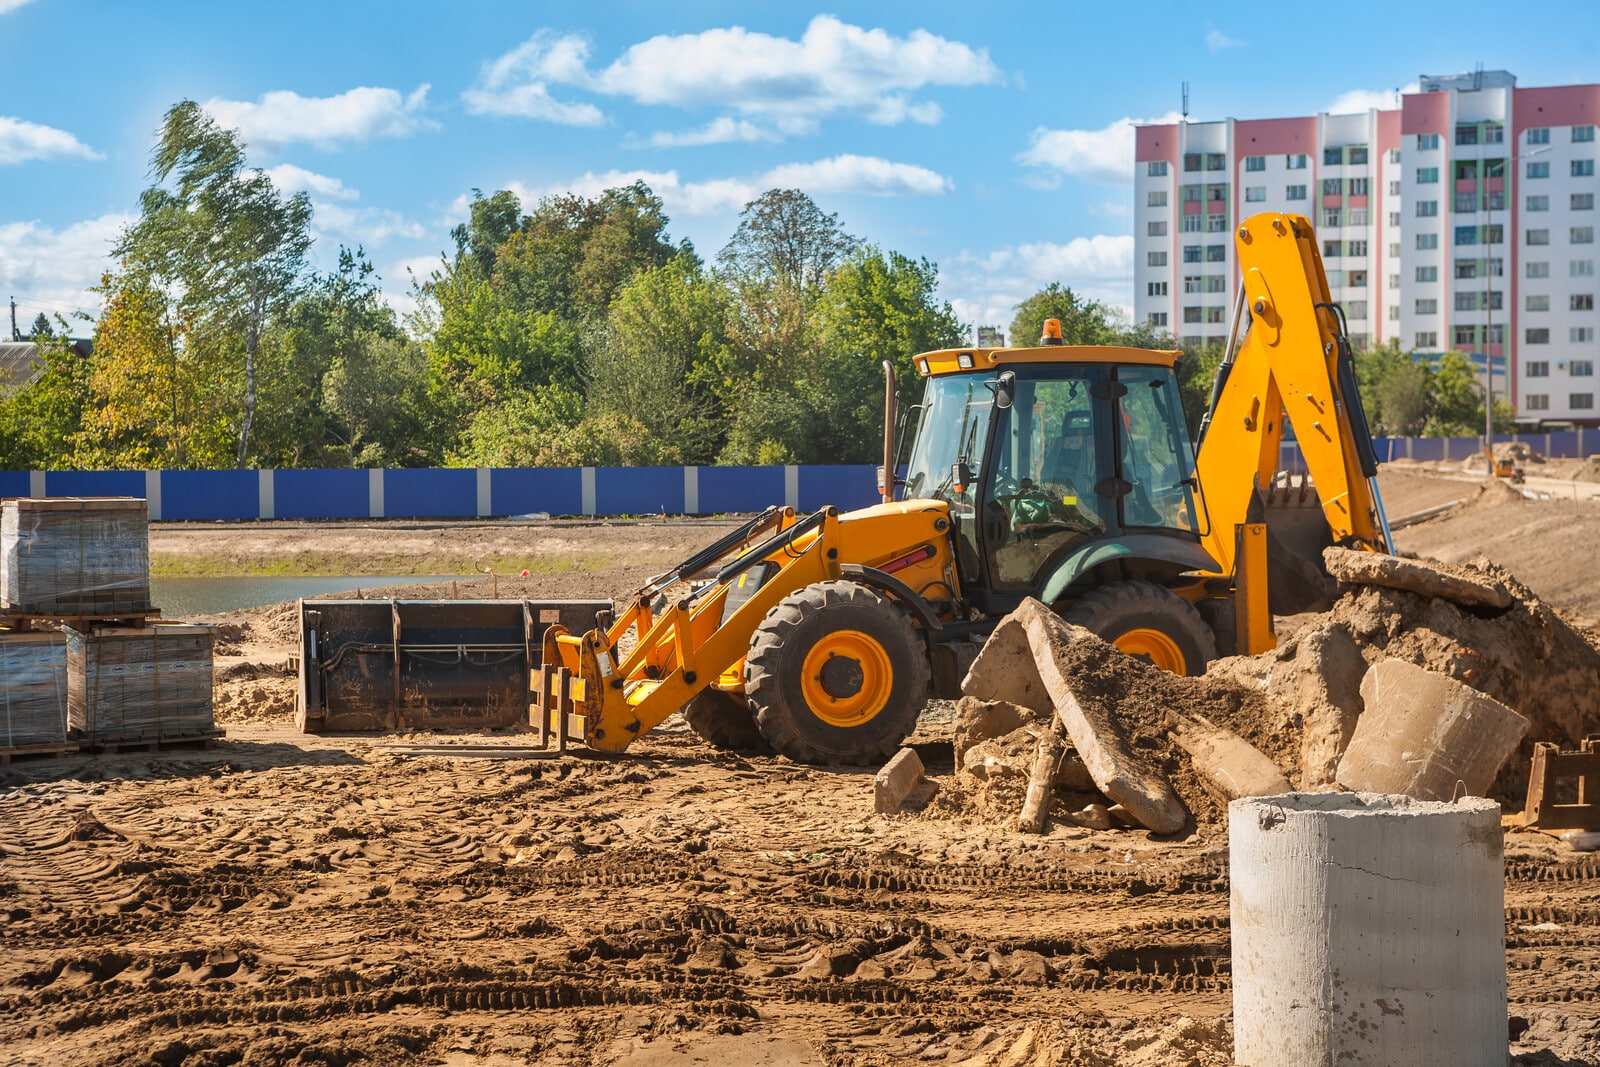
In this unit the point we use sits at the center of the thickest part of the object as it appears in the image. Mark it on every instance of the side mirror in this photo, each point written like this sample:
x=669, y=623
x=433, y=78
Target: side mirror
x=1005, y=389
x=961, y=476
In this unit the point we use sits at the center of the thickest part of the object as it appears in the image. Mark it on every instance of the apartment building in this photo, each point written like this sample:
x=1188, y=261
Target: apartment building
x=1461, y=219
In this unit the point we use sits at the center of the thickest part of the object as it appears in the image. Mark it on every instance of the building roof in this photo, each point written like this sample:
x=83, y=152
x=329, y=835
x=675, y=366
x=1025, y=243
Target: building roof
x=21, y=363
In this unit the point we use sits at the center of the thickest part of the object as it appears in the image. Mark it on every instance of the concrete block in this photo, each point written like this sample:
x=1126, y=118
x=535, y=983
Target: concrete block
x=896, y=781
x=1005, y=670
x=1423, y=732
x=1230, y=767
x=1100, y=742
x=1413, y=575
x=979, y=720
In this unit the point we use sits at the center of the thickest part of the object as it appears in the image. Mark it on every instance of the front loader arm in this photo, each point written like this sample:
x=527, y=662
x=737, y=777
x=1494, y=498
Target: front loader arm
x=1294, y=362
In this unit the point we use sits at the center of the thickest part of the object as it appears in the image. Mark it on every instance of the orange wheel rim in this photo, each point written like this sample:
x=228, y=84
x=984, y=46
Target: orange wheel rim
x=846, y=678
x=1153, y=647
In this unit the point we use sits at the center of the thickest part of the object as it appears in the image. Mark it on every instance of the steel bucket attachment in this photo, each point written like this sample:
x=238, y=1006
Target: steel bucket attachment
x=387, y=665
x=1297, y=532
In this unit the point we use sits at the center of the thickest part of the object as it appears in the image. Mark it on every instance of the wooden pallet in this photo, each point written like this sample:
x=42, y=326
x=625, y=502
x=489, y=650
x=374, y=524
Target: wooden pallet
x=201, y=739
x=54, y=749
x=23, y=621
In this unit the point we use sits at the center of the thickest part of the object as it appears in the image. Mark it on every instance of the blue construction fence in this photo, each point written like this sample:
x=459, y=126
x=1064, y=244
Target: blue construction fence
x=445, y=493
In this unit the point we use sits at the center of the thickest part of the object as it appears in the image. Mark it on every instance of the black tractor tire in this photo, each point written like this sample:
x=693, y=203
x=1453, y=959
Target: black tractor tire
x=846, y=617
x=1116, y=611
x=724, y=720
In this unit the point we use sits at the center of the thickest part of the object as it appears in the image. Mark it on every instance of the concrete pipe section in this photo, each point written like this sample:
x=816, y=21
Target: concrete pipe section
x=1368, y=930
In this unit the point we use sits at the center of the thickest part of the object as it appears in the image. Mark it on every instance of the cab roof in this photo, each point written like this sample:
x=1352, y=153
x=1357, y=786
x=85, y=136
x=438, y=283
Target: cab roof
x=951, y=361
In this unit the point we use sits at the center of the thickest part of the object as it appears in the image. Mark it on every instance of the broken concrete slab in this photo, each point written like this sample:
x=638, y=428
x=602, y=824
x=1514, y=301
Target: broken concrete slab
x=1005, y=670
x=1093, y=817
x=1100, y=742
x=979, y=720
x=1413, y=575
x=1423, y=732
x=1229, y=766
x=896, y=781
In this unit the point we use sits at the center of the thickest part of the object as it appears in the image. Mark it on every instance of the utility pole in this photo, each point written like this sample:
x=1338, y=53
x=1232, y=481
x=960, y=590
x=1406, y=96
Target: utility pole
x=15, y=336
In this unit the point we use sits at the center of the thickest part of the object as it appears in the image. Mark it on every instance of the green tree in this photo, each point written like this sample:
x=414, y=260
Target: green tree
x=1083, y=322
x=223, y=242
x=783, y=238
x=1457, y=398
x=521, y=429
x=491, y=222
x=42, y=330
x=39, y=422
x=1396, y=390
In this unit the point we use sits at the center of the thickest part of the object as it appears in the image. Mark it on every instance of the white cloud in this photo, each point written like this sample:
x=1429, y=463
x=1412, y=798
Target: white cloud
x=8, y=6
x=1217, y=41
x=1103, y=155
x=787, y=86
x=724, y=129
x=985, y=288
x=21, y=141
x=285, y=117
x=846, y=174
x=50, y=269
x=1357, y=100
x=292, y=179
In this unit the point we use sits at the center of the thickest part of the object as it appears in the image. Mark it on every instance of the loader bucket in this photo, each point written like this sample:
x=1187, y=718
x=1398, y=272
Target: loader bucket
x=387, y=665
x=1297, y=532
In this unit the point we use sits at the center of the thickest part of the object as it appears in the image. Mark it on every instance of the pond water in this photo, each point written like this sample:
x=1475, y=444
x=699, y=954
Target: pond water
x=181, y=597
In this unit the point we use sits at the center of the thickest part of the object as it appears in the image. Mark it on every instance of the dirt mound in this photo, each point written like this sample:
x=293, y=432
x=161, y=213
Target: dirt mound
x=1586, y=472
x=1493, y=494
x=1515, y=451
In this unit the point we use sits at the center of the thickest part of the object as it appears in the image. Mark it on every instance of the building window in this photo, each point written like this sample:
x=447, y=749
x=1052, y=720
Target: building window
x=1580, y=335
x=1466, y=202
x=1581, y=368
x=1216, y=253
x=1356, y=217
x=1581, y=268
x=1191, y=253
x=1536, y=401
x=1466, y=268
x=1580, y=401
x=1394, y=155
x=1355, y=279
x=1295, y=161
x=1191, y=161
x=1538, y=170
x=1156, y=229
x=1466, y=133
x=1466, y=235
x=1191, y=283
x=1494, y=234
x=1581, y=302
x=1155, y=259
x=1156, y=168
x=1538, y=368
x=1427, y=209
x=1255, y=162
x=1216, y=161
x=1537, y=335
x=1331, y=216
x=1356, y=154
x=1538, y=203
x=1157, y=318
x=1581, y=235
x=1541, y=135
x=1157, y=198
x=1427, y=307
x=1464, y=336
x=1427, y=142
x=1583, y=201
x=1427, y=274
x=1191, y=314
x=1394, y=218
x=1216, y=223
x=1216, y=283
x=1537, y=302
x=1537, y=268
x=1255, y=194
x=1427, y=339
x=1191, y=193
x=1494, y=133
x=1332, y=157
x=1538, y=237
x=1472, y=300
x=1427, y=175
x=1217, y=193
x=1394, y=250
x=1156, y=289
x=1355, y=248
x=1581, y=134
x=1190, y=224
x=1332, y=249
x=1333, y=187
x=1216, y=314
x=1394, y=188
x=1356, y=310
x=1359, y=186
x=1583, y=168
x=1294, y=192
x=1426, y=241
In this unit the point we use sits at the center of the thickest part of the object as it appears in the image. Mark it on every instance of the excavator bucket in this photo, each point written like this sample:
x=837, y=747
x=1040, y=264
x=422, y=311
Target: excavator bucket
x=1297, y=532
x=387, y=665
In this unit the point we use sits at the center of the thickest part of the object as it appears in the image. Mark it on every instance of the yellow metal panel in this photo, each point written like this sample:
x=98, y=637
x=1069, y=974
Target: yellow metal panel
x=948, y=361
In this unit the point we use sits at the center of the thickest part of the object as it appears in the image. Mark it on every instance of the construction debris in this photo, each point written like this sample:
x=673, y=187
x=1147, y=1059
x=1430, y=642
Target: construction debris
x=1041, y=782
x=1427, y=736
x=897, y=780
x=1229, y=766
x=1416, y=576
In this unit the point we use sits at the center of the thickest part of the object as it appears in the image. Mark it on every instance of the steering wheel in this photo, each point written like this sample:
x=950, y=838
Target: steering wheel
x=1038, y=505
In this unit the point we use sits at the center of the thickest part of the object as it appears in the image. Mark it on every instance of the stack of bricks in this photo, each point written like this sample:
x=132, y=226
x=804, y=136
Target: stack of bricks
x=75, y=557
x=33, y=692
x=132, y=684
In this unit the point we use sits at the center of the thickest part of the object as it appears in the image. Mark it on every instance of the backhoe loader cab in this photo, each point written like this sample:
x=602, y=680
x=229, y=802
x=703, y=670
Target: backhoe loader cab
x=1059, y=472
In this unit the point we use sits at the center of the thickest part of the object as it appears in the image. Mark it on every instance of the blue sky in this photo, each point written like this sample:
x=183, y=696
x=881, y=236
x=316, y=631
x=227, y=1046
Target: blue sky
x=993, y=139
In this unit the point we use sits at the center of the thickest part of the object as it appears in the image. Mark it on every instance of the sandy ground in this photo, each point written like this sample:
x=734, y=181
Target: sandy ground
x=281, y=898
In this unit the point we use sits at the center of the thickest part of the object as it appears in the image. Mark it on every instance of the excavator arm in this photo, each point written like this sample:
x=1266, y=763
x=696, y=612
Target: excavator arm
x=1293, y=364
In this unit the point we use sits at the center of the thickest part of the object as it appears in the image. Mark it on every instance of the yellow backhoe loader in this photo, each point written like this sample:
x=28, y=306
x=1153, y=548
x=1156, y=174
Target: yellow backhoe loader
x=1059, y=472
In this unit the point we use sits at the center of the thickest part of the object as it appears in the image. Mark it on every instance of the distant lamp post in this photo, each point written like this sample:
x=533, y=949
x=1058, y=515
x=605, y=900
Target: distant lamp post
x=1488, y=301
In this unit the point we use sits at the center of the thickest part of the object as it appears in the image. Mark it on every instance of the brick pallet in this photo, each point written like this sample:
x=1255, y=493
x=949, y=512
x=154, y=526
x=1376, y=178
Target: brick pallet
x=129, y=686
x=75, y=557
x=33, y=693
